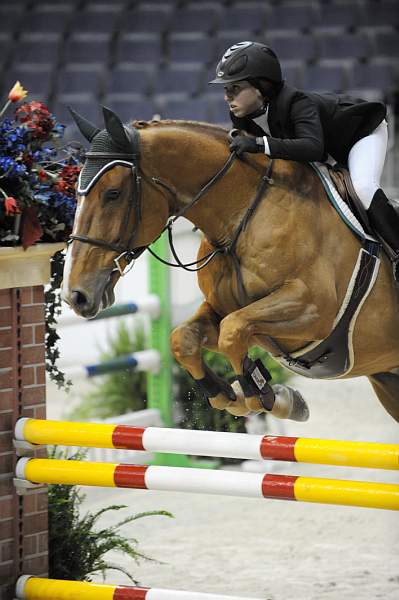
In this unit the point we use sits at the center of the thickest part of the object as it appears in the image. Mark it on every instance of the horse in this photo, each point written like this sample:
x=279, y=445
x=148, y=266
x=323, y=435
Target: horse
x=275, y=264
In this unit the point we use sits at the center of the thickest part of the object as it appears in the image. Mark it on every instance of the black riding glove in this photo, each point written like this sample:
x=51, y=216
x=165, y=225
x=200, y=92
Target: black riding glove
x=243, y=143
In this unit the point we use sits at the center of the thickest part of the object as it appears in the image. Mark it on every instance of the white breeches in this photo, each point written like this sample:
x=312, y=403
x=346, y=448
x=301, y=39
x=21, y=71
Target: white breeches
x=366, y=162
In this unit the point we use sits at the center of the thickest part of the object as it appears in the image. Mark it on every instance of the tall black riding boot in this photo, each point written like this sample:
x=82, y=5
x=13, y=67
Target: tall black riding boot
x=385, y=221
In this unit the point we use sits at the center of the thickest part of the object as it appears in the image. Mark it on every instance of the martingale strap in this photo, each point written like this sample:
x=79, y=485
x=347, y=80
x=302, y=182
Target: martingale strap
x=231, y=249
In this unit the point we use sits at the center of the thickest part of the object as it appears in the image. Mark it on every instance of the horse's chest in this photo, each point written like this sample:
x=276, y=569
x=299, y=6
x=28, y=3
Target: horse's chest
x=220, y=286
x=224, y=298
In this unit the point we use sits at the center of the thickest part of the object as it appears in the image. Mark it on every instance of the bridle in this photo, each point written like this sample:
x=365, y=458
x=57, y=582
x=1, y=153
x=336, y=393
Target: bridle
x=125, y=251
x=131, y=159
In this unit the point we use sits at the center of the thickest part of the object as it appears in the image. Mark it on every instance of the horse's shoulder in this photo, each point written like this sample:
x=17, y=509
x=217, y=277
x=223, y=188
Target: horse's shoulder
x=299, y=176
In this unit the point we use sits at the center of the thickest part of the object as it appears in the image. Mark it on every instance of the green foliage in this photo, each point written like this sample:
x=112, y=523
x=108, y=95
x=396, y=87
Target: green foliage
x=196, y=414
x=77, y=547
x=52, y=312
x=119, y=392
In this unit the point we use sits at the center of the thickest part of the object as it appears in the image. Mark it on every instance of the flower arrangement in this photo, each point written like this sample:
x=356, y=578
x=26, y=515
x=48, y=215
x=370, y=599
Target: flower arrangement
x=37, y=175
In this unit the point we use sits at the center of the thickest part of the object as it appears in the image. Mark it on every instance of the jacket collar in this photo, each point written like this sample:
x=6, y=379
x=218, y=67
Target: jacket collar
x=278, y=107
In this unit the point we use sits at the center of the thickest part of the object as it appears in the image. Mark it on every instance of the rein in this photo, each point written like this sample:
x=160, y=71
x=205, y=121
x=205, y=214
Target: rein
x=125, y=252
x=229, y=249
x=208, y=257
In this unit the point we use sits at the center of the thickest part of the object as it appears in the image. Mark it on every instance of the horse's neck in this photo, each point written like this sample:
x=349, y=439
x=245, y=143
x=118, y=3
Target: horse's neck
x=187, y=160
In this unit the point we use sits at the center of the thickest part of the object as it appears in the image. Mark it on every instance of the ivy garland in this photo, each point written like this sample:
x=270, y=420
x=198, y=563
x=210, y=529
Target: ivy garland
x=52, y=311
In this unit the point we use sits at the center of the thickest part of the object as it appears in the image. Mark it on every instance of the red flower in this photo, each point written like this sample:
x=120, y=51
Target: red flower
x=37, y=118
x=31, y=230
x=11, y=206
x=67, y=179
x=61, y=186
x=42, y=175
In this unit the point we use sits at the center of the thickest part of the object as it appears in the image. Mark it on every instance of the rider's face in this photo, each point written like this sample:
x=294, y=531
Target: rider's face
x=242, y=98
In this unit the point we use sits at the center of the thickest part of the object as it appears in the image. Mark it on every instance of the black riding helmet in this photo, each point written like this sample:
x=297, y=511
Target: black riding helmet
x=250, y=61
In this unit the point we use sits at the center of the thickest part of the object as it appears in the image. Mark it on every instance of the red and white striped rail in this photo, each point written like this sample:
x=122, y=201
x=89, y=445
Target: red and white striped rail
x=209, y=443
x=200, y=481
x=36, y=588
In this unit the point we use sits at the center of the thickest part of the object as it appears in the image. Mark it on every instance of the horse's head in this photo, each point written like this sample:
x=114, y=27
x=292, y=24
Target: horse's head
x=110, y=228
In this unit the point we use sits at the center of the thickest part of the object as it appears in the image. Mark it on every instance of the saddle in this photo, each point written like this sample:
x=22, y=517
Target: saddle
x=341, y=179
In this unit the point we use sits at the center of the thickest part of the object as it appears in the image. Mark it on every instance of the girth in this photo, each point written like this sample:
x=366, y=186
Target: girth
x=333, y=356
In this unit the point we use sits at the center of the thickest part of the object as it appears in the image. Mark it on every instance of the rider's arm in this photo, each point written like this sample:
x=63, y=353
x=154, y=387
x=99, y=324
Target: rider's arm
x=307, y=144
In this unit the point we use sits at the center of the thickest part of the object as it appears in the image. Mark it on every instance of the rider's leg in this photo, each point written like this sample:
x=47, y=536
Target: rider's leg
x=366, y=163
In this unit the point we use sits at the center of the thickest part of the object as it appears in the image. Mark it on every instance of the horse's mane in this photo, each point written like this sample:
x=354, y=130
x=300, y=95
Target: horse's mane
x=216, y=132
x=210, y=128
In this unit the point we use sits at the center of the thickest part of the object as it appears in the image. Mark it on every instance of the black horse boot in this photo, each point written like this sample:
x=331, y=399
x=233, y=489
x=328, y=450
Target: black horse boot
x=385, y=221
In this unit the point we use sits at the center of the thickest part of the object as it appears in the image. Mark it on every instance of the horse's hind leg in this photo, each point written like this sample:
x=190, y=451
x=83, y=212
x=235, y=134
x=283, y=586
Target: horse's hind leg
x=386, y=386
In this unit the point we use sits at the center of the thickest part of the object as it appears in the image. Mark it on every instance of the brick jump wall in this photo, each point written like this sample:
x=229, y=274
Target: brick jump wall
x=23, y=519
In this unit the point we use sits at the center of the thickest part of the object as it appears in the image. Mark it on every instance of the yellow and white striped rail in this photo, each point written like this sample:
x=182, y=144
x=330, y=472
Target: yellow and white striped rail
x=210, y=443
x=228, y=483
x=36, y=588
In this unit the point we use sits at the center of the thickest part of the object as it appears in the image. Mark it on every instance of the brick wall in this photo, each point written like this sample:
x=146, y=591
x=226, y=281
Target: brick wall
x=23, y=519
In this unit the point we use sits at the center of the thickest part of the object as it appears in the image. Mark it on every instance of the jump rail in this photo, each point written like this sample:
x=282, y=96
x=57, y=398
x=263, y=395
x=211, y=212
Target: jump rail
x=143, y=360
x=209, y=443
x=228, y=483
x=35, y=588
x=149, y=305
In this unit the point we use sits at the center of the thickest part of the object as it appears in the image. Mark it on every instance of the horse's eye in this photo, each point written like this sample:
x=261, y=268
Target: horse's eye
x=112, y=194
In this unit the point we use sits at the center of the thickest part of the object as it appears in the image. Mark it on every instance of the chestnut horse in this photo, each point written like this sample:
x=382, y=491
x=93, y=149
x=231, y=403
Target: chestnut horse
x=281, y=287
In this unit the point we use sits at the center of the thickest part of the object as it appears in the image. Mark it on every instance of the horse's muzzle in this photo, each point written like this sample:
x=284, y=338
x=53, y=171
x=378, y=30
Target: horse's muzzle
x=87, y=301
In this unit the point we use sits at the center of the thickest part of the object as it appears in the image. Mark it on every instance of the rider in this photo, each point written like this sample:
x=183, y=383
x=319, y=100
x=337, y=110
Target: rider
x=304, y=126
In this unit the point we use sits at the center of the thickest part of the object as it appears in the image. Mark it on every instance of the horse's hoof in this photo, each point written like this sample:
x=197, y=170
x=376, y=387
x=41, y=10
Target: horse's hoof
x=220, y=402
x=289, y=404
x=237, y=411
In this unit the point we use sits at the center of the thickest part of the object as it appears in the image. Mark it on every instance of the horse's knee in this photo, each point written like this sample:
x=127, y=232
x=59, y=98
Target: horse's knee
x=232, y=330
x=184, y=342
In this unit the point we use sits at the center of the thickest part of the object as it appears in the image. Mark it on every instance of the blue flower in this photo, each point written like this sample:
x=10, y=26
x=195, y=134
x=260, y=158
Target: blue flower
x=33, y=170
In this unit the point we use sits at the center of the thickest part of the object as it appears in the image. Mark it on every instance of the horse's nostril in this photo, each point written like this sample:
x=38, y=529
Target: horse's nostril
x=78, y=298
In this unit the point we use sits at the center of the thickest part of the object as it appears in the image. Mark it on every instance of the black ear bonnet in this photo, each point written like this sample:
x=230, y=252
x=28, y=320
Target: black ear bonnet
x=94, y=166
x=116, y=144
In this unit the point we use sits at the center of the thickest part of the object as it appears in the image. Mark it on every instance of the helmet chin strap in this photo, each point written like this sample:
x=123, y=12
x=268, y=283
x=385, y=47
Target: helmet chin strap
x=258, y=112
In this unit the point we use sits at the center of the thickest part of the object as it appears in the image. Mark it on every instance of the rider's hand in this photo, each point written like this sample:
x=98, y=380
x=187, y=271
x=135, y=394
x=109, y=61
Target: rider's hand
x=243, y=143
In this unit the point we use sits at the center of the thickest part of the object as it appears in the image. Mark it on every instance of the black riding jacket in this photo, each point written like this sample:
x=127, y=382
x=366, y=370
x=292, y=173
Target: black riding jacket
x=306, y=126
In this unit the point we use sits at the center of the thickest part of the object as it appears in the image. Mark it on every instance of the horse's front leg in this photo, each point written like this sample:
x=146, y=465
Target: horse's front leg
x=287, y=313
x=187, y=341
